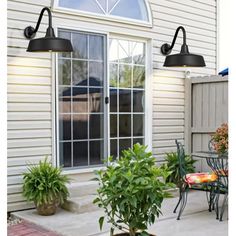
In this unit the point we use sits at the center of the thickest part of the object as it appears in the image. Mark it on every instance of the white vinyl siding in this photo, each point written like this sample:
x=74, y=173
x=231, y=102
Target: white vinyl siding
x=31, y=77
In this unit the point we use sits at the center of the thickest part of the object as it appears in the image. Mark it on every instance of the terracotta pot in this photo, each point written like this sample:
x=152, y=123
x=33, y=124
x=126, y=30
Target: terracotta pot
x=47, y=209
x=127, y=234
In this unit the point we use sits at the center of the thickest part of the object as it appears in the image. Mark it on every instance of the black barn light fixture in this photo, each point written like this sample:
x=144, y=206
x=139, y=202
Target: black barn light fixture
x=184, y=58
x=48, y=43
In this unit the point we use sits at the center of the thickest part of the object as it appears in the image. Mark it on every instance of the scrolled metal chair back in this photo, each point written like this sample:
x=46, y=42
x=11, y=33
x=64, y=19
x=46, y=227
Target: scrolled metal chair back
x=181, y=158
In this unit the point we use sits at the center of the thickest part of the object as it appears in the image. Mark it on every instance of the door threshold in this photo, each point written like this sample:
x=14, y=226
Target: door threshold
x=83, y=170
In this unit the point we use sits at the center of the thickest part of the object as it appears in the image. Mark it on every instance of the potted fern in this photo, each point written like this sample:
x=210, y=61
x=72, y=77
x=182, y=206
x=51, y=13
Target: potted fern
x=131, y=192
x=172, y=165
x=45, y=186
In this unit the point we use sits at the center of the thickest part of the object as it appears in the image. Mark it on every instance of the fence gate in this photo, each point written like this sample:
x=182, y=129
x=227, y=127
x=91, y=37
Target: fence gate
x=206, y=110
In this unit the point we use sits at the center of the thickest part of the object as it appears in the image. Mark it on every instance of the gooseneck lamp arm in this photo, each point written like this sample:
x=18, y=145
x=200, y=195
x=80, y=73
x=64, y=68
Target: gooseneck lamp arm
x=167, y=48
x=30, y=32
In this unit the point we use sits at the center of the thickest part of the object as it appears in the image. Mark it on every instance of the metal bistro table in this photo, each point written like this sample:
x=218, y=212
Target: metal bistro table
x=219, y=165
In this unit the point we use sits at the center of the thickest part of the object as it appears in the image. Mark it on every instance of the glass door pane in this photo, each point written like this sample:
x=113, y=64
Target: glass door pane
x=81, y=83
x=127, y=94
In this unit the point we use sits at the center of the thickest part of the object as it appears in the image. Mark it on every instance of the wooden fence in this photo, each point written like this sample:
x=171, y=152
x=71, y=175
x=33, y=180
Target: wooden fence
x=206, y=109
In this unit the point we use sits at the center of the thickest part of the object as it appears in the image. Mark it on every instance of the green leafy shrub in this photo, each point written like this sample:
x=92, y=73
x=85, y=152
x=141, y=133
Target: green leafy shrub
x=172, y=165
x=131, y=191
x=44, y=184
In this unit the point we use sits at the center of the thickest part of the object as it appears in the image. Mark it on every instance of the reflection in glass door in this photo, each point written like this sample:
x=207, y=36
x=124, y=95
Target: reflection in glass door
x=127, y=94
x=81, y=100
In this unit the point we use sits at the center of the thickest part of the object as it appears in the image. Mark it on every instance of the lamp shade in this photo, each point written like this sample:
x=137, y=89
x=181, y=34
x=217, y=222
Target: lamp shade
x=184, y=60
x=46, y=44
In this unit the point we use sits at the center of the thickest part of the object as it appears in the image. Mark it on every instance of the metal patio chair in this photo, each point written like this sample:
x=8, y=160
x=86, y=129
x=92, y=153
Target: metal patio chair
x=219, y=165
x=196, y=181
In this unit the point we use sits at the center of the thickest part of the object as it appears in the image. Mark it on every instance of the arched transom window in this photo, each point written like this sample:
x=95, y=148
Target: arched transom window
x=134, y=10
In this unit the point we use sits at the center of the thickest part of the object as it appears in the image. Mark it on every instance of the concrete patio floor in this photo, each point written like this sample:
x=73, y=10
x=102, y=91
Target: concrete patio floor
x=195, y=221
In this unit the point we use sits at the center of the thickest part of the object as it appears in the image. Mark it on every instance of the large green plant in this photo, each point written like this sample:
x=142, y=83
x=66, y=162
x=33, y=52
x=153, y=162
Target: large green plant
x=44, y=184
x=131, y=191
x=172, y=165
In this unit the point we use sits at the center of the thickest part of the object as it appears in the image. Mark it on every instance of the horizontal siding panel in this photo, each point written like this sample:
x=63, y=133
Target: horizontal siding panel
x=21, y=52
x=19, y=43
x=168, y=129
x=13, y=180
x=19, y=125
x=15, y=198
x=168, y=122
x=23, y=70
x=169, y=143
x=168, y=80
x=28, y=80
x=167, y=74
x=164, y=150
x=20, y=61
x=14, y=189
x=33, y=98
x=36, y=142
x=14, y=31
x=21, y=134
x=21, y=152
x=17, y=206
x=30, y=89
x=14, y=116
x=164, y=108
x=168, y=136
x=166, y=94
x=23, y=161
x=168, y=101
x=29, y=107
x=168, y=115
x=18, y=170
x=169, y=87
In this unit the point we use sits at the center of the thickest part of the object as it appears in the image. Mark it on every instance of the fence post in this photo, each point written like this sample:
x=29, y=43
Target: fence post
x=187, y=113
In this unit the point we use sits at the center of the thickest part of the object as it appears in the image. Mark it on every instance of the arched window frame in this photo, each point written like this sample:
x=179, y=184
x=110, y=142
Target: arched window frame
x=114, y=18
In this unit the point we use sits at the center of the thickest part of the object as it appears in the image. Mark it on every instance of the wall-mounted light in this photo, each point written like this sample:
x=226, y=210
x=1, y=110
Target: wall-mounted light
x=49, y=42
x=184, y=58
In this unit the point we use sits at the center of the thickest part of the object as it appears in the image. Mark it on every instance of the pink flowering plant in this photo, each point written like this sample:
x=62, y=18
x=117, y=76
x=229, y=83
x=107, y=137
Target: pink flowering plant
x=220, y=139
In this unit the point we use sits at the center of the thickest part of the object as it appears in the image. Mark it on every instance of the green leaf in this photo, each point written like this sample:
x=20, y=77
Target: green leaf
x=101, y=220
x=144, y=233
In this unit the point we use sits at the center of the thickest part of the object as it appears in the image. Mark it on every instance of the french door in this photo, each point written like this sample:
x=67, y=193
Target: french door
x=99, y=113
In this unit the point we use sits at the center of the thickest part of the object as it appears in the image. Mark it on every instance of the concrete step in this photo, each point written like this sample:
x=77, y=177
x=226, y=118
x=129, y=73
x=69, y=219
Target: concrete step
x=80, y=189
x=80, y=204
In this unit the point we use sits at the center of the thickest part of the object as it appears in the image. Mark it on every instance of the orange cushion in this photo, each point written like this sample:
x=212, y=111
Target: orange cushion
x=198, y=178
